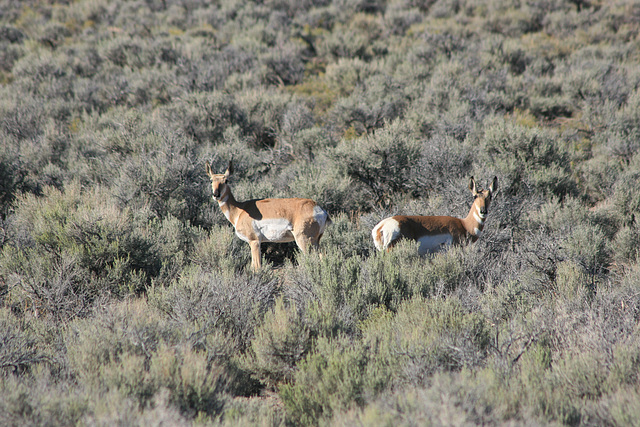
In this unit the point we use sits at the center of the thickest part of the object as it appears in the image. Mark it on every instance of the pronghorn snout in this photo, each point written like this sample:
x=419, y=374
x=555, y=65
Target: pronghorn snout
x=217, y=189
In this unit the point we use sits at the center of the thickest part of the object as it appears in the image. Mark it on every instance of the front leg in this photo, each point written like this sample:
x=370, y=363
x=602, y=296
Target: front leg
x=256, y=256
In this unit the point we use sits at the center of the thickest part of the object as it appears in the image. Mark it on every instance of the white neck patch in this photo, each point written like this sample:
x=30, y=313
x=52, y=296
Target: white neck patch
x=223, y=206
x=478, y=218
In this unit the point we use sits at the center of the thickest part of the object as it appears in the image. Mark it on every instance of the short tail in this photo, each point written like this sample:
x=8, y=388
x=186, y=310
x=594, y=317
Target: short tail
x=385, y=233
x=321, y=217
x=378, y=236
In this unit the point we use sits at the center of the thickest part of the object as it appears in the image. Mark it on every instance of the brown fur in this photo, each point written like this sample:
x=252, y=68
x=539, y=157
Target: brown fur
x=306, y=230
x=461, y=230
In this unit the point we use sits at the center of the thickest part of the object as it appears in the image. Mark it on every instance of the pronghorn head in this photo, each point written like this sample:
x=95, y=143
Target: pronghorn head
x=482, y=197
x=219, y=182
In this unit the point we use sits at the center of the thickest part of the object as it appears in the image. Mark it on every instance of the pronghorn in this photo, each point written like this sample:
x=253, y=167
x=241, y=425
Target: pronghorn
x=269, y=220
x=435, y=233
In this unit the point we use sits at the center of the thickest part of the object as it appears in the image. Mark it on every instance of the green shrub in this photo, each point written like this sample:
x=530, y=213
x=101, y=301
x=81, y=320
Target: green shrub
x=347, y=284
x=169, y=186
x=389, y=278
x=547, y=101
x=625, y=196
x=9, y=54
x=624, y=127
x=113, y=408
x=39, y=400
x=83, y=254
x=13, y=174
x=345, y=74
x=381, y=280
x=423, y=337
x=333, y=378
x=442, y=160
x=132, y=349
x=592, y=79
x=426, y=336
x=558, y=215
x=382, y=162
x=527, y=156
x=365, y=111
x=204, y=116
x=587, y=247
x=283, y=66
x=196, y=385
x=222, y=251
x=267, y=411
x=444, y=401
x=217, y=301
x=354, y=40
x=91, y=249
x=621, y=407
x=21, y=348
x=323, y=182
x=280, y=342
x=144, y=162
x=125, y=329
x=572, y=280
x=440, y=275
x=22, y=119
x=53, y=35
x=265, y=111
x=349, y=233
x=327, y=285
x=626, y=245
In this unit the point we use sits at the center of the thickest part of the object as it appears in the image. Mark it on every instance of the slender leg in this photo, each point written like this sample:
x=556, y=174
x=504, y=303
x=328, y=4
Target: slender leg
x=302, y=243
x=314, y=243
x=305, y=242
x=307, y=236
x=256, y=256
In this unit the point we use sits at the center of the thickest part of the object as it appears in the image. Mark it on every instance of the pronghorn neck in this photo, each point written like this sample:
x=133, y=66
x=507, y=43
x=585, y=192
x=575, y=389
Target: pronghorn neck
x=474, y=222
x=228, y=204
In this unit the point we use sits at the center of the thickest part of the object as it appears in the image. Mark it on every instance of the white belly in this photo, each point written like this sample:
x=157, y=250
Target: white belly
x=242, y=236
x=436, y=243
x=273, y=230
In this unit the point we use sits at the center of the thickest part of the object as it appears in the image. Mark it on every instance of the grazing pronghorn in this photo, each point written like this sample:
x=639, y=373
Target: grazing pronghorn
x=434, y=233
x=269, y=220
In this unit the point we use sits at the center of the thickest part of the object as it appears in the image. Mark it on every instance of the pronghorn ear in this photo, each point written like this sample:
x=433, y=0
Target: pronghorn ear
x=472, y=186
x=229, y=170
x=208, y=168
x=494, y=185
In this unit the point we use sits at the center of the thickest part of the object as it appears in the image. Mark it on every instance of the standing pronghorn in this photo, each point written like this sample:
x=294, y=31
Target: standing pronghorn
x=434, y=233
x=269, y=220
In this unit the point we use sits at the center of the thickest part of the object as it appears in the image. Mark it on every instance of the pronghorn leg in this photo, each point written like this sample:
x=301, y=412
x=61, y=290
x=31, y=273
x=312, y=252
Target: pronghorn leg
x=305, y=242
x=307, y=236
x=317, y=245
x=256, y=255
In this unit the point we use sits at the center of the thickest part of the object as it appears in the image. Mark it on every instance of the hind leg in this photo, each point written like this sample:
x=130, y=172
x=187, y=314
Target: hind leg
x=305, y=243
x=307, y=236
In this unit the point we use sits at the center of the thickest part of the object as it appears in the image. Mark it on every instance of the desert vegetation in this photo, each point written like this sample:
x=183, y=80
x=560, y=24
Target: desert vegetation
x=126, y=298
